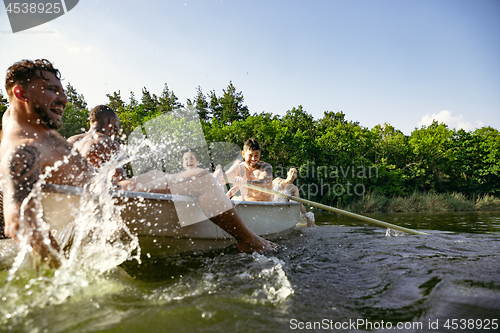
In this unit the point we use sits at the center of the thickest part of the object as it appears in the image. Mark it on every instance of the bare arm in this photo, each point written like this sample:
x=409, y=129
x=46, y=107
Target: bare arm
x=234, y=171
x=295, y=193
x=23, y=169
x=102, y=151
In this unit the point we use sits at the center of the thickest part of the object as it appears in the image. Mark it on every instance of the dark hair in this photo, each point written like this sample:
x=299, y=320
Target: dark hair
x=192, y=152
x=25, y=70
x=251, y=144
x=101, y=113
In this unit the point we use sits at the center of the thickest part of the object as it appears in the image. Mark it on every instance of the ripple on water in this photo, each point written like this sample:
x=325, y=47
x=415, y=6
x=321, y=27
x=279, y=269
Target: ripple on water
x=332, y=271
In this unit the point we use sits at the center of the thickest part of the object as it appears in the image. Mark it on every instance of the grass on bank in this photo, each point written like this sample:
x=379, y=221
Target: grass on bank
x=424, y=202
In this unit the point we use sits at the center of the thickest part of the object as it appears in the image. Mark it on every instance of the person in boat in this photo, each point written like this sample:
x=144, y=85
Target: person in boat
x=287, y=187
x=251, y=171
x=98, y=145
x=236, y=184
x=32, y=152
x=190, y=161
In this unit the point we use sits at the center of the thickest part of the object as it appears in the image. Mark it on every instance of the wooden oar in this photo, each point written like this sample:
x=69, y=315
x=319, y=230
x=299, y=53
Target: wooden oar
x=336, y=210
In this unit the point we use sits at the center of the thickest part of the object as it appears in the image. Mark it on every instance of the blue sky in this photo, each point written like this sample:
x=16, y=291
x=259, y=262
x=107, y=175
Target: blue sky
x=388, y=61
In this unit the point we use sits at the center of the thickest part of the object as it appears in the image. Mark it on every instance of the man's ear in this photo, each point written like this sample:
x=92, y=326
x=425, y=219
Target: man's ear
x=19, y=93
x=110, y=127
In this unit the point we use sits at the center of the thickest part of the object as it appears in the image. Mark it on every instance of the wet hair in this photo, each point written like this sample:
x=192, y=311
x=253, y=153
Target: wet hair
x=100, y=114
x=251, y=144
x=192, y=152
x=25, y=70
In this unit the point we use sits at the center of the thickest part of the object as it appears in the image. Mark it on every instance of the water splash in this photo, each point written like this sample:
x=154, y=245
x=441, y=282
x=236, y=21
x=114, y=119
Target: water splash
x=93, y=244
x=394, y=233
x=276, y=287
x=254, y=279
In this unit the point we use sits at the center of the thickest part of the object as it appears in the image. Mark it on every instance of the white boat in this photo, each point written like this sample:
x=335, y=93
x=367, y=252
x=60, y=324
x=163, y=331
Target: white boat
x=154, y=218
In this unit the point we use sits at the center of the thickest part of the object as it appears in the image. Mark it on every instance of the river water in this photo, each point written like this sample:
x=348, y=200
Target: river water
x=340, y=276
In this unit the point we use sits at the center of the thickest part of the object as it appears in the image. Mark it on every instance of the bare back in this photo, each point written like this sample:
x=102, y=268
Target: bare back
x=97, y=147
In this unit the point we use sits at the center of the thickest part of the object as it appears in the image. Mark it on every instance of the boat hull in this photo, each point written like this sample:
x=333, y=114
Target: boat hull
x=154, y=218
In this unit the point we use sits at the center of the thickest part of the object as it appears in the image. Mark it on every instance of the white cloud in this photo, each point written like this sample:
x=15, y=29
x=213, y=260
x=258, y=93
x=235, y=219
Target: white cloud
x=446, y=117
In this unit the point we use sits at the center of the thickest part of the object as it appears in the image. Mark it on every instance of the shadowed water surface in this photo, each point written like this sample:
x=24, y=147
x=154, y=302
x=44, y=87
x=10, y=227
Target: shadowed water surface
x=335, y=274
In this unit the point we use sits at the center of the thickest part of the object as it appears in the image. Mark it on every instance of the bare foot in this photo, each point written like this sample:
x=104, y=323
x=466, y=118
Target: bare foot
x=256, y=244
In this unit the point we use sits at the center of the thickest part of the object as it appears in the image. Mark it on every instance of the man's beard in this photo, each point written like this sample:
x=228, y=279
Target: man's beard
x=47, y=121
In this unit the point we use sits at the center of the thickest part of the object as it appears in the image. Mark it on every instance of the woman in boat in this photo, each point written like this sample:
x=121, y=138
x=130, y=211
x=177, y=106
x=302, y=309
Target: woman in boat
x=287, y=187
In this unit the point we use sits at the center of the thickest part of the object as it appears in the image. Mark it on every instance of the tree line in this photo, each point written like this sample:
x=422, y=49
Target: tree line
x=338, y=159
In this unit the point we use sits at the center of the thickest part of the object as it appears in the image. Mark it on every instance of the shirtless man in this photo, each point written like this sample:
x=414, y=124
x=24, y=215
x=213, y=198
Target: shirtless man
x=252, y=171
x=30, y=147
x=98, y=145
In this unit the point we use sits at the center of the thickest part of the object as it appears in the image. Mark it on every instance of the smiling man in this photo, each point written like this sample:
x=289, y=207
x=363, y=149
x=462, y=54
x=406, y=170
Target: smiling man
x=30, y=148
x=252, y=171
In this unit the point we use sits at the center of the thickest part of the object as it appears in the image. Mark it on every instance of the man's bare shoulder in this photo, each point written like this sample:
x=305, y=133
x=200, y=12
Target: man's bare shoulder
x=277, y=180
x=10, y=145
x=264, y=166
x=75, y=138
x=22, y=164
x=237, y=166
x=93, y=141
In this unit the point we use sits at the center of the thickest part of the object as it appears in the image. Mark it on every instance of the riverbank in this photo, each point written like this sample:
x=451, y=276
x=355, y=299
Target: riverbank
x=424, y=202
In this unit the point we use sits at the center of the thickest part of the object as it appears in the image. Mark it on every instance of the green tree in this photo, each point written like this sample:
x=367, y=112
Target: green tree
x=168, y=101
x=390, y=156
x=132, y=100
x=489, y=148
x=330, y=119
x=297, y=119
x=131, y=115
x=149, y=102
x=200, y=103
x=115, y=101
x=342, y=160
x=214, y=106
x=76, y=115
x=390, y=145
x=299, y=146
x=432, y=153
x=229, y=107
x=4, y=104
x=77, y=100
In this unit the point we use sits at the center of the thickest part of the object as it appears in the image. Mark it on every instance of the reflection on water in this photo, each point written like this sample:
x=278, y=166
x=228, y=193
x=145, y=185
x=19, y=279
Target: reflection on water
x=338, y=271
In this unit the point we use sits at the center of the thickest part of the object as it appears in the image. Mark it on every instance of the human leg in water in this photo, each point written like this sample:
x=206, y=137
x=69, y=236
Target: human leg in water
x=216, y=206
